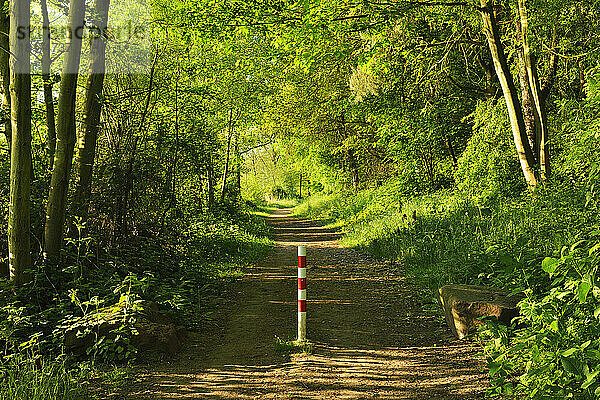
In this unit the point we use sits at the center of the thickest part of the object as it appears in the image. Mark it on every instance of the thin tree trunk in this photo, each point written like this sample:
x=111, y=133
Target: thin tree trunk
x=226, y=170
x=48, y=86
x=488, y=68
x=448, y=142
x=122, y=206
x=66, y=137
x=19, y=257
x=92, y=109
x=542, y=149
x=170, y=180
x=353, y=170
x=238, y=158
x=507, y=83
x=211, y=181
x=5, y=72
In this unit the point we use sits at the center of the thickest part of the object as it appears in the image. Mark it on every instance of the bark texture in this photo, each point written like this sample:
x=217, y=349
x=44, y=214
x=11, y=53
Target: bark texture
x=92, y=109
x=5, y=72
x=515, y=112
x=20, y=159
x=541, y=146
x=65, y=133
x=48, y=86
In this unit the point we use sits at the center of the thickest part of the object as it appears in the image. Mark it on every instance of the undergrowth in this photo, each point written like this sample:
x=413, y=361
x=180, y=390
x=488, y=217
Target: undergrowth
x=449, y=238
x=544, y=243
x=185, y=270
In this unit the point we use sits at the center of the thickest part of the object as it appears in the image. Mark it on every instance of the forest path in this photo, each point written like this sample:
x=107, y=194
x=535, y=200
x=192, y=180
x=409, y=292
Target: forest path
x=372, y=337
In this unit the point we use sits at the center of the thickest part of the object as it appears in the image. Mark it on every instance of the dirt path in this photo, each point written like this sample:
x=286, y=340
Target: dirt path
x=373, y=339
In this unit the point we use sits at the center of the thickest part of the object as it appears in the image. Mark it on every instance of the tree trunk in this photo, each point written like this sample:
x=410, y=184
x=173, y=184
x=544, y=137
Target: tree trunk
x=48, y=86
x=353, y=170
x=66, y=137
x=238, y=158
x=507, y=83
x=92, y=109
x=227, y=158
x=19, y=258
x=448, y=142
x=211, y=181
x=169, y=191
x=542, y=150
x=5, y=72
x=488, y=68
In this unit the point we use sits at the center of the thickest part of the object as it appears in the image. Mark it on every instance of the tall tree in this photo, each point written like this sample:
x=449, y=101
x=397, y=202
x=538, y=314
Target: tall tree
x=19, y=257
x=5, y=69
x=538, y=94
x=92, y=107
x=48, y=85
x=65, y=133
x=515, y=111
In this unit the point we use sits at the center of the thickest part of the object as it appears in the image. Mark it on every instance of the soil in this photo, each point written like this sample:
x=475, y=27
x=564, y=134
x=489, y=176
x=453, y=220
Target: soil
x=372, y=335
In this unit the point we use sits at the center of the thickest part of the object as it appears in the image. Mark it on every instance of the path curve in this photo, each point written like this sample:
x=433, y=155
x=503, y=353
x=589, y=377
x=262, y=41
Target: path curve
x=373, y=338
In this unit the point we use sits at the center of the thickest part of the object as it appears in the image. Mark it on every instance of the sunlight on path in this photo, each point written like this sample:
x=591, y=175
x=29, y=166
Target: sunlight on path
x=373, y=340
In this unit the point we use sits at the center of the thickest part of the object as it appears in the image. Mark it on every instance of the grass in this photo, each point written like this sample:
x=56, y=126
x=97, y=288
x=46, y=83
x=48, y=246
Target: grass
x=28, y=378
x=292, y=346
x=266, y=208
x=448, y=238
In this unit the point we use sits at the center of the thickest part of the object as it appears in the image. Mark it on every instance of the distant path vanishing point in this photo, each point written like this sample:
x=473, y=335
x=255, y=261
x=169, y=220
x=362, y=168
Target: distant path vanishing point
x=373, y=339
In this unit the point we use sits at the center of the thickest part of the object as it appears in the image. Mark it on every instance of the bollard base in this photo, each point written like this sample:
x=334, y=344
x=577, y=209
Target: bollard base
x=301, y=326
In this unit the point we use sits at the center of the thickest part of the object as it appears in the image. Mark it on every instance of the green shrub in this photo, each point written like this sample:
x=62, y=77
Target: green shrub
x=557, y=354
x=489, y=168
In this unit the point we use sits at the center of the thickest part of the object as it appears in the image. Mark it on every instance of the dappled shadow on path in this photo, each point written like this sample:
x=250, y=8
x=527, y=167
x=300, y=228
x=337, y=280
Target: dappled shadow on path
x=373, y=337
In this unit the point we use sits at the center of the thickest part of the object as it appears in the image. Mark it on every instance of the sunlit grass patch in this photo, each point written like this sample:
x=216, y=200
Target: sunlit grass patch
x=448, y=237
x=29, y=378
x=292, y=346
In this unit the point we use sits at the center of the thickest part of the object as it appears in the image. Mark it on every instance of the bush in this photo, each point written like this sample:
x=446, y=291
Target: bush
x=489, y=168
x=557, y=354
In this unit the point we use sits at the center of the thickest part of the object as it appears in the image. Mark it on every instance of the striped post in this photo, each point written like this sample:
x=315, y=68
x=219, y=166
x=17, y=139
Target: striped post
x=301, y=293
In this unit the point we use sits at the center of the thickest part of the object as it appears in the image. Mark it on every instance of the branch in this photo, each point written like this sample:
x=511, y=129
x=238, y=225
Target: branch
x=465, y=88
x=424, y=3
x=453, y=42
x=257, y=146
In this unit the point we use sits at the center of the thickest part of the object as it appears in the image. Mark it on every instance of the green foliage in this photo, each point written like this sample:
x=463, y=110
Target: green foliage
x=489, y=167
x=554, y=352
x=35, y=378
x=453, y=239
x=181, y=273
x=288, y=347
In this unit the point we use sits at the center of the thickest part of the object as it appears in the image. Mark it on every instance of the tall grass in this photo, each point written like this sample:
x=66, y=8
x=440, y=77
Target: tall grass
x=27, y=378
x=447, y=238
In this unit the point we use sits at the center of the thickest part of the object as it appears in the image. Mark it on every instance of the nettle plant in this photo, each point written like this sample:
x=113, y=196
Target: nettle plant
x=553, y=352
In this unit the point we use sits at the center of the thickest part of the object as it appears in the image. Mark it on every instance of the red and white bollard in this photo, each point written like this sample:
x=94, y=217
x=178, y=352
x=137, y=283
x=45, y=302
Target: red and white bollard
x=301, y=293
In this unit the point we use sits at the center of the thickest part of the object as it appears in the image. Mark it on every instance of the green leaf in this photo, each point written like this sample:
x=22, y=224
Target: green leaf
x=494, y=368
x=549, y=265
x=569, y=352
x=572, y=365
x=586, y=344
x=582, y=291
x=576, y=245
x=591, y=378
